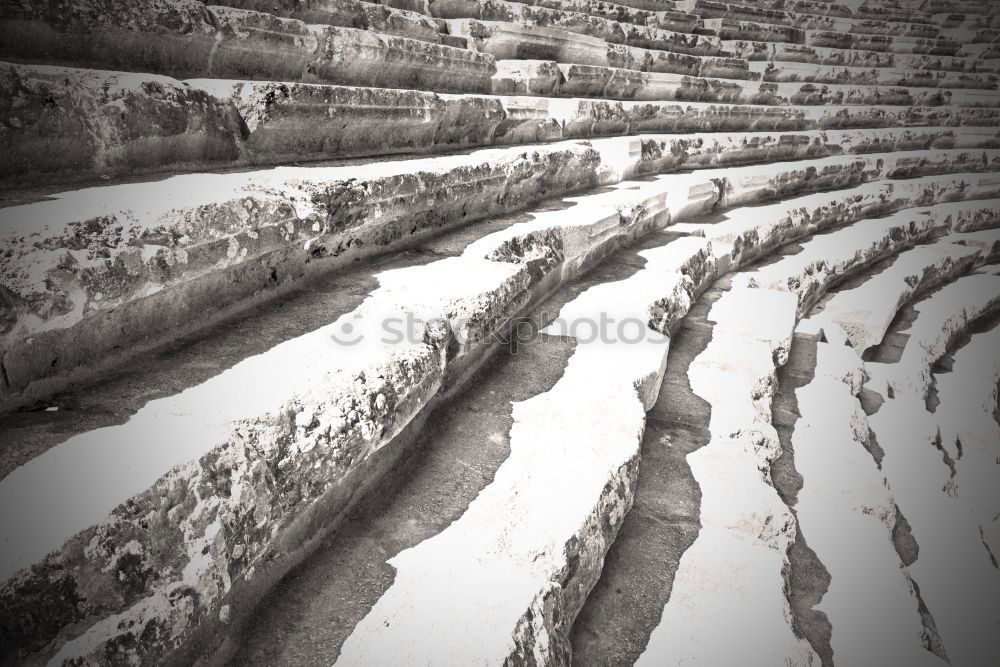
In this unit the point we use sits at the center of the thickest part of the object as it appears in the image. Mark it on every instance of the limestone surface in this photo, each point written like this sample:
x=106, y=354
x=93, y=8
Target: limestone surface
x=518, y=332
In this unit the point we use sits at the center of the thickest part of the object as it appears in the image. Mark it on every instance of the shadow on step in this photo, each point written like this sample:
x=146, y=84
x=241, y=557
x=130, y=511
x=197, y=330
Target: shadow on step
x=808, y=579
x=311, y=614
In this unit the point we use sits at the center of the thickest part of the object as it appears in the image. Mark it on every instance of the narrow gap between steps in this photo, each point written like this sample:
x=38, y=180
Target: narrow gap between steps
x=462, y=444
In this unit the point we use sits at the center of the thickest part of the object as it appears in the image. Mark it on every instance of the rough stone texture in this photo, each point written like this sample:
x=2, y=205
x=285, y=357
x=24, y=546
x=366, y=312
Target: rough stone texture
x=157, y=575
x=883, y=11
x=877, y=76
x=944, y=317
x=879, y=107
x=799, y=18
x=782, y=87
x=493, y=9
x=290, y=121
x=514, y=14
x=727, y=599
x=966, y=417
x=749, y=236
x=526, y=255
x=844, y=497
x=831, y=257
x=184, y=38
x=546, y=556
x=69, y=124
x=475, y=295
x=100, y=272
x=124, y=250
x=239, y=122
x=515, y=41
x=819, y=55
x=954, y=569
x=865, y=313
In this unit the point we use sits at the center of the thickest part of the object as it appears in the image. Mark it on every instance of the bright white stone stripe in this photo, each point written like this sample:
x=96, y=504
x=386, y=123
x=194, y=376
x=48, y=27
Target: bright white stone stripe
x=178, y=429
x=941, y=317
x=728, y=604
x=965, y=415
x=846, y=514
x=864, y=314
x=509, y=576
x=832, y=256
x=956, y=578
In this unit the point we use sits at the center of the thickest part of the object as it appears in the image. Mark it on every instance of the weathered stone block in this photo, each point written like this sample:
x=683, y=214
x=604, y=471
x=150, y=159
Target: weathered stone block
x=92, y=272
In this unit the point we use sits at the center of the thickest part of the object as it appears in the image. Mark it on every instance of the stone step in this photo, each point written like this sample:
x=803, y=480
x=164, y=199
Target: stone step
x=589, y=80
x=729, y=31
x=387, y=632
x=231, y=123
x=862, y=11
x=545, y=555
x=155, y=257
x=66, y=124
x=351, y=14
x=653, y=15
x=259, y=232
x=578, y=166
x=829, y=258
x=687, y=626
x=341, y=414
x=955, y=567
x=973, y=22
x=886, y=76
x=293, y=122
x=942, y=319
x=734, y=569
x=550, y=79
x=969, y=431
x=511, y=15
x=654, y=5
x=461, y=449
x=185, y=38
x=959, y=6
x=742, y=11
x=865, y=313
x=542, y=11
x=378, y=401
x=748, y=235
x=843, y=497
x=339, y=411
x=796, y=53
x=572, y=79
x=730, y=28
x=513, y=41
